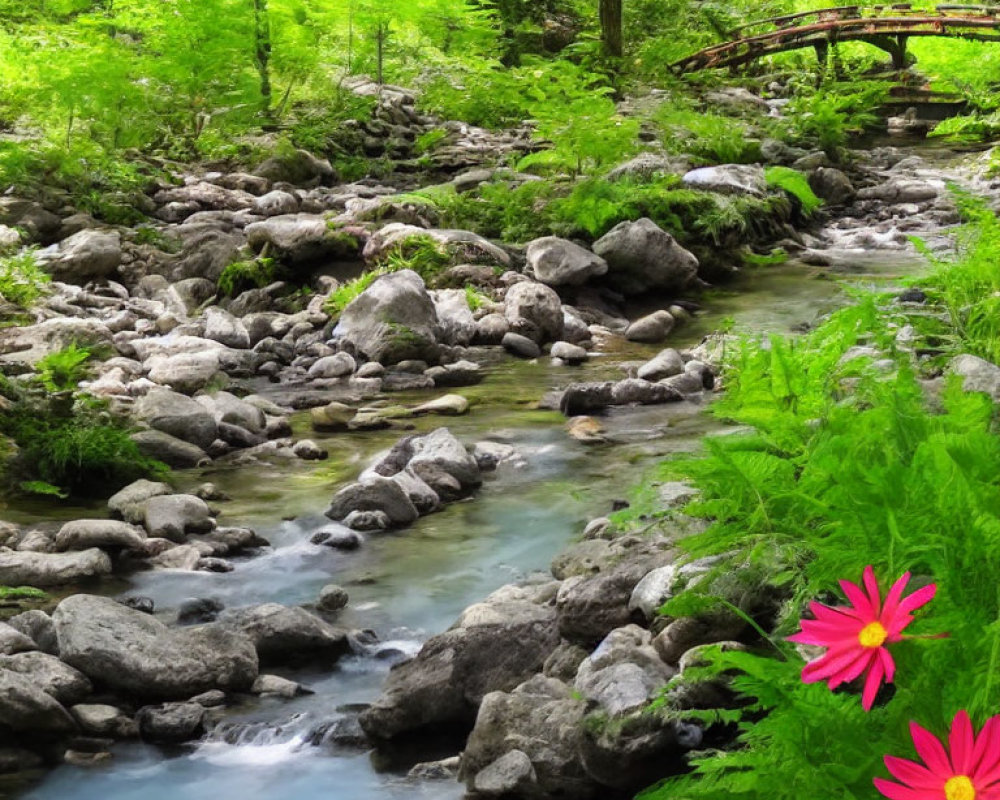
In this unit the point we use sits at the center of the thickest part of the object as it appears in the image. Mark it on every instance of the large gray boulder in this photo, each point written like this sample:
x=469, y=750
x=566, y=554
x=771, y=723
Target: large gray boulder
x=178, y=415
x=738, y=179
x=458, y=326
x=129, y=503
x=832, y=185
x=223, y=327
x=169, y=449
x=25, y=568
x=128, y=651
x=440, y=450
x=82, y=534
x=374, y=493
x=173, y=516
x=643, y=257
x=26, y=708
x=287, y=635
x=978, y=375
x=298, y=167
x=49, y=674
x=393, y=320
x=295, y=238
x=495, y=646
x=465, y=246
x=560, y=262
x=534, y=310
x=87, y=255
x=184, y=372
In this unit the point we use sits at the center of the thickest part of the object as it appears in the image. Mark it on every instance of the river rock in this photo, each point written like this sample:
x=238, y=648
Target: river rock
x=49, y=674
x=520, y=345
x=275, y=203
x=22, y=568
x=624, y=673
x=228, y=408
x=737, y=179
x=177, y=415
x=132, y=652
x=38, y=627
x=184, y=372
x=652, y=328
x=276, y=686
x=103, y=720
x=665, y=364
x=440, y=450
x=978, y=375
x=458, y=326
x=584, y=398
x=14, y=641
x=295, y=238
x=902, y=190
x=642, y=257
x=86, y=255
x=534, y=310
x=491, y=329
x=449, y=405
x=332, y=598
x=26, y=708
x=569, y=353
x=832, y=185
x=331, y=417
x=560, y=262
x=374, y=493
x=223, y=327
x=542, y=720
x=336, y=366
x=171, y=722
x=467, y=246
x=172, y=516
x=637, y=392
x=296, y=167
x=494, y=650
x=394, y=319
x=169, y=449
x=83, y=534
x=285, y=634
x=591, y=607
x=512, y=773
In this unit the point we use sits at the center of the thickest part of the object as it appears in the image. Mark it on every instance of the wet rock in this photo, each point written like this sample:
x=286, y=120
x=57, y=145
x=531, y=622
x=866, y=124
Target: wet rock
x=641, y=257
x=902, y=190
x=635, y=391
x=199, y=610
x=512, y=773
x=421, y=494
x=368, y=521
x=559, y=262
x=184, y=557
x=26, y=708
x=83, y=534
x=652, y=328
x=173, y=516
x=37, y=626
x=737, y=179
x=331, y=417
x=332, y=598
x=276, y=686
x=492, y=455
x=129, y=503
x=458, y=373
x=665, y=364
x=169, y=449
x=104, y=720
x=374, y=493
x=394, y=319
x=586, y=429
x=570, y=353
x=583, y=398
x=137, y=602
x=832, y=185
x=285, y=635
x=337, y=537
x=534, y=310
x=13, y=641
x=230, y=409
x=308, y=450
x=223, y=327
x=48, y=673
x=132, y=652
x=450, y=405
x=440, y=450
x=520, y=345
x=171, y=722
x=180, y=416
x=21, y=568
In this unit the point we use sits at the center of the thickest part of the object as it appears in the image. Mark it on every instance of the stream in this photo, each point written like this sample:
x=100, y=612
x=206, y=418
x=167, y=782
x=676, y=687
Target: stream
x=408, y=585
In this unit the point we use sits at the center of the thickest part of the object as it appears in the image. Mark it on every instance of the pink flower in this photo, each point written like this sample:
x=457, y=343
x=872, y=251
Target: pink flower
x=855, y=636
x=972, y=772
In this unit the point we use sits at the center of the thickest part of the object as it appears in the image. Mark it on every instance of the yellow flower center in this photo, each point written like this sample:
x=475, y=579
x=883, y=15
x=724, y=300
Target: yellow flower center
x=959, y=788
x=873, y=635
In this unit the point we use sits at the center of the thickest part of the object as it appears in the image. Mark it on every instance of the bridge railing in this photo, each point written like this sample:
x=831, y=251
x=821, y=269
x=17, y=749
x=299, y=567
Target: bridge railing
x=839, y=13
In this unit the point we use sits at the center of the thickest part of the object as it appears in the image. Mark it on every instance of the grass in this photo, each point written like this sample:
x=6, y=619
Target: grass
x=241, y=276
x=22, y=280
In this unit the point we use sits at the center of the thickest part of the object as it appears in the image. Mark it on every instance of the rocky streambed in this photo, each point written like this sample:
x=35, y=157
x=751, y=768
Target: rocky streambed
x=347, y=488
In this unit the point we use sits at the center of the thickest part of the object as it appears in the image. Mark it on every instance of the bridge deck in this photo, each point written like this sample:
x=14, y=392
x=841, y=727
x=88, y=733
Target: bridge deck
x=884, y=26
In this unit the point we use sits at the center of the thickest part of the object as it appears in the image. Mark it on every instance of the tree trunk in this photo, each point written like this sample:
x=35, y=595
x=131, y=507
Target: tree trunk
x=611, y=27
x=262, y=52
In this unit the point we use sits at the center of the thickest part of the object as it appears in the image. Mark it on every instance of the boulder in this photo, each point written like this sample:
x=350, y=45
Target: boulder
x=83, y=534
x=520, y=345
x=180, y=416
x=85, y=256
x=172, y=516
x=169, y=449
x=23, y=568
x=570, y=353
x=332, y=598
x=832, y=185
x=624, y=673
x=736, y=179
x=223, y=327
x=374, y=493
x=559, y=262
x=103, y=720
x=275, y=203
x=586, y=398
x=512, y=773
x=184, y=372
x=14, y=641
x=284, y=635
x=336, y=366
x=49, y=674
x=458, y=326
x=653, y=328
x=665, y=364
x=297, y=167
x=128, y=651
x=26, y=708
x=978, y=375
x=295, y=238
x=465, y=246
x=37, y=626
x=440, y=450
x=534, y=310
x=643, y=257
x=171, y=722
x=393, y=320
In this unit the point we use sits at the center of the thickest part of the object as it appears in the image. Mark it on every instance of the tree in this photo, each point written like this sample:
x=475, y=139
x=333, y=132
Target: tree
x=611, y=27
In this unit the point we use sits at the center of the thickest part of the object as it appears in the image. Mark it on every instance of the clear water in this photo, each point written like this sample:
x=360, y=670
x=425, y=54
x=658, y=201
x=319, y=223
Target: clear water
x=412, y=584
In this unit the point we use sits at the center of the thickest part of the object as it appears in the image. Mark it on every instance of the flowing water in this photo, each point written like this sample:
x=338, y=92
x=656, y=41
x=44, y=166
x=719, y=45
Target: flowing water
x=408, y=585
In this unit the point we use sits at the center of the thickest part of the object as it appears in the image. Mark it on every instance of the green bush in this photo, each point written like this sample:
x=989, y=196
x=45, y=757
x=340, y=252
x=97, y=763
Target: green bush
x=22, y=280
x=341, y=297
x=62, y=370
x=709, y=137
x=243, y=275
x=796, y=184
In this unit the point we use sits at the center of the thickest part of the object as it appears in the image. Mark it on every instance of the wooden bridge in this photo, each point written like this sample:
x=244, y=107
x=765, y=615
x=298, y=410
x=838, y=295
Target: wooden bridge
x=886, y=27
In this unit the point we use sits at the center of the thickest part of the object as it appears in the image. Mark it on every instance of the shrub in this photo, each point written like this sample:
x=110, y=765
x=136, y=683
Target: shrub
x=22, y=280
x=243, y=275
x=62, y=370
x=709, y=137
x=343, y=295
x=796, y=184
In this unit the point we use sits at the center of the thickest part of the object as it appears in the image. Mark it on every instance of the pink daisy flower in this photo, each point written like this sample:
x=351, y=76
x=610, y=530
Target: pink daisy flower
x=855, y=637
x=971, y=772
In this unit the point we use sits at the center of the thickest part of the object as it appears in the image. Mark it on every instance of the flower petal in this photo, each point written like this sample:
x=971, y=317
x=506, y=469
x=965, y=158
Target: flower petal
x=888, y=665
x=986, y=754
x=858, y=599
x=930, y=750
x=832, y=663
x=892, y=599
x=895, y=791
x=872, y=683
x=917, y=599
x=864, y=662
x=961, y=743
x=912, y=773
x=871, y=587
x=836, y=614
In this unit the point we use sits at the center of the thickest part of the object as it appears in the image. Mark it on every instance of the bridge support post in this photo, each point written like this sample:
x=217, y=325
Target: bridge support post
x=898, y=53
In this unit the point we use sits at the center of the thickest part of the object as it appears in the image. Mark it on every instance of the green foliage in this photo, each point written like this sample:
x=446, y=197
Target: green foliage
x=342, y=296
x=796, y=184
x=975, y=127
x=11, y=593
x=829, y=117
x=421, y=253
x=243, y=275
x=42, y=489
x=62, y=370
x=475, y=298
x=22, y=280
x=711, y=138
